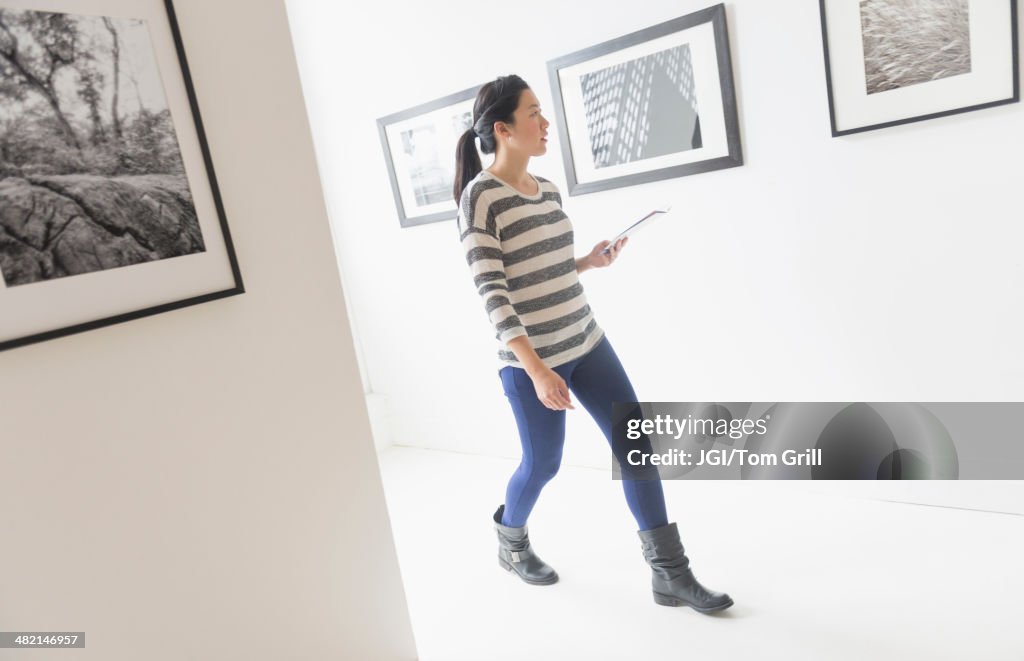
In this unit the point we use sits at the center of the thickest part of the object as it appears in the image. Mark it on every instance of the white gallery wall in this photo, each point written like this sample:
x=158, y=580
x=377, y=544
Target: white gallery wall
x=202, y=484
x=884, y=266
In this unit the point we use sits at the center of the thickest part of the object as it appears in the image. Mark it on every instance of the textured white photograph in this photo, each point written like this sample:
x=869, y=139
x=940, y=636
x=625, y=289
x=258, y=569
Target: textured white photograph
x=892, y=62
x=908, y=42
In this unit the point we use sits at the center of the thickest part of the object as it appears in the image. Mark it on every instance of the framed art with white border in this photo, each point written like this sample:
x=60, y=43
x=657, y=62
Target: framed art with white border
x=419, y=148
x=654, y=104
x=109, y=207
x=891, y=62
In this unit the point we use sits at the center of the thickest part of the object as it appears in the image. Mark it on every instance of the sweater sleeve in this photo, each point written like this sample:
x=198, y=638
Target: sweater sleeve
x=482, y=247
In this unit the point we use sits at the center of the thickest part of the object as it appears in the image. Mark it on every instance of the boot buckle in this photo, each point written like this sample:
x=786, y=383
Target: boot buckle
x=514, y=555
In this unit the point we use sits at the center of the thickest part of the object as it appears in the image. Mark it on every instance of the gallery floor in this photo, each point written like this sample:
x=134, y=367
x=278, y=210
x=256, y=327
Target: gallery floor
x=816, y=573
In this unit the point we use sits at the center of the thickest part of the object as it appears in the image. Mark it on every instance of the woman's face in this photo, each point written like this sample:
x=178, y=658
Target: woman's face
x=528, y=134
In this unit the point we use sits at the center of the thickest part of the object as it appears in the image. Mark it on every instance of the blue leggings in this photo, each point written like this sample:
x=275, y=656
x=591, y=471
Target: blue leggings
x=596, y=379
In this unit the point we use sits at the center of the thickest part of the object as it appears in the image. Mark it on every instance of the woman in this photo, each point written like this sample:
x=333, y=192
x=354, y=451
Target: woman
x=519, y=246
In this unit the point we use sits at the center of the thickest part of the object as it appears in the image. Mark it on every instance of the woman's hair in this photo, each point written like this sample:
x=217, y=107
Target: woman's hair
x=495, y=102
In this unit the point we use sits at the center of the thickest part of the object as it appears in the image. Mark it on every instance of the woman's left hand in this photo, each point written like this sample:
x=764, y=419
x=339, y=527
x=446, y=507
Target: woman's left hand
x=598, y=258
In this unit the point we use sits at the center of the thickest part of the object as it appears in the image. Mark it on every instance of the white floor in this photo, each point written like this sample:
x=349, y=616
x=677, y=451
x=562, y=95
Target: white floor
x=816, y=573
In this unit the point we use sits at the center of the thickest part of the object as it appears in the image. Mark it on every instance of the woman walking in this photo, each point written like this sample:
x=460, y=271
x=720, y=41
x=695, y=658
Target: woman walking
x=519, y=246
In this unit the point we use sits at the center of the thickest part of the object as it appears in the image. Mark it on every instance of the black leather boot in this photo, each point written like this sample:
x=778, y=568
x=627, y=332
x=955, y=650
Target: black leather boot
x=515, y=554
x=672, y=580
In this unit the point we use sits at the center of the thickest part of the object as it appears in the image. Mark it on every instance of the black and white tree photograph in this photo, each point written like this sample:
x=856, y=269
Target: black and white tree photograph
x=909, y=42
x=642, y=108
x=91, y=174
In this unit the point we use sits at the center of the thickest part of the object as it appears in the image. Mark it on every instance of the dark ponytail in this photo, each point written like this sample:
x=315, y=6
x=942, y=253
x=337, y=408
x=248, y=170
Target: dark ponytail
x=467, y=162
x=495, y=102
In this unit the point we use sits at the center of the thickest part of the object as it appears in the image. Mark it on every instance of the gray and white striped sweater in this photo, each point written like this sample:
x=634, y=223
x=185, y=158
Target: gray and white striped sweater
x=520, y=251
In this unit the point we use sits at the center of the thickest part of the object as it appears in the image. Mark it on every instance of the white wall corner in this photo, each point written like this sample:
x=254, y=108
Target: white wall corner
x=376, y=406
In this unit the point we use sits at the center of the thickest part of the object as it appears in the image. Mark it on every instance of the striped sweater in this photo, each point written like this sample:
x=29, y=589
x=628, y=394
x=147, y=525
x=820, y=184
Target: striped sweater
x=520, y=251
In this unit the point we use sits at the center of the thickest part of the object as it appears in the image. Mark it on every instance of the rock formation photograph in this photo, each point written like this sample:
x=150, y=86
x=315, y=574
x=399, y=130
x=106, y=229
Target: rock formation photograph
x=91, y=174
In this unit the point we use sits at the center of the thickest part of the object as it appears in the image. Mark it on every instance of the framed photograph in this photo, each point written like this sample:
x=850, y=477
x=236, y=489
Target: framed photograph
x=654, y=104
x=419, y=148
x=109, y=208
x=890, y=62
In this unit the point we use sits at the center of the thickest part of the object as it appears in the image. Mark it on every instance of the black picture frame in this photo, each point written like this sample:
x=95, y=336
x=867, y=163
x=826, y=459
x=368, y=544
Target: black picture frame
x=830, y=83
x=729, y=157
x=411, y=214
x=228, y=261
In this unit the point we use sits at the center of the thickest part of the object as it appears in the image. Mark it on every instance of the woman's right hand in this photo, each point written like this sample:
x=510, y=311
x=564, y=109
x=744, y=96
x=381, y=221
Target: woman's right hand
x=551, y=390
